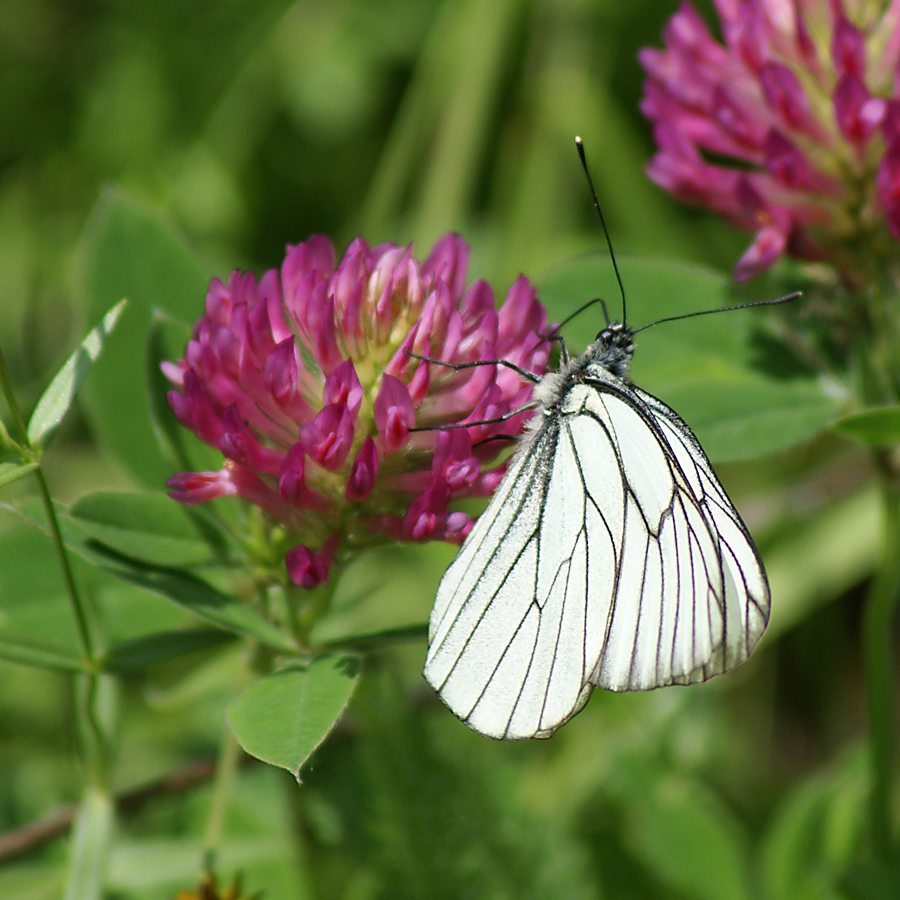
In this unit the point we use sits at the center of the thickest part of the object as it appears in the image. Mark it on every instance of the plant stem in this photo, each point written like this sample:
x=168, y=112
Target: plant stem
x=879, y=611
x=229, y=758
x=84, y=632
x=81, y=618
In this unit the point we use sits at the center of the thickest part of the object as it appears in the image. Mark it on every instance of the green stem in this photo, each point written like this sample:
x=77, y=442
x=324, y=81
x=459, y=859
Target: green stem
x=81, y=618
x=877, y=652
x=84, y=633
x=94, y=695
x=229, y=758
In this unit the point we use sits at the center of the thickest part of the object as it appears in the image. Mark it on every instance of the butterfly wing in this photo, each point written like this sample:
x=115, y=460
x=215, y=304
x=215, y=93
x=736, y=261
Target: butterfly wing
x=609, y=556
x=743, y=602
x=692, y=598
x=515, y=634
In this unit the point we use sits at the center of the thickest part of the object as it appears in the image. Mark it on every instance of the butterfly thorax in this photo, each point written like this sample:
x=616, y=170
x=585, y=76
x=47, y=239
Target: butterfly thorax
x=609, y=356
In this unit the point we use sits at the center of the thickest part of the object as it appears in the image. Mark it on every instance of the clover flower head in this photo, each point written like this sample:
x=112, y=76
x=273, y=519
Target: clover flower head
x=308, y=382
x=789, y=128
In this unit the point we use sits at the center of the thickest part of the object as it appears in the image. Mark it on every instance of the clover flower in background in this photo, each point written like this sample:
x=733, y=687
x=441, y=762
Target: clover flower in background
x=790, y=128
x=304, y=381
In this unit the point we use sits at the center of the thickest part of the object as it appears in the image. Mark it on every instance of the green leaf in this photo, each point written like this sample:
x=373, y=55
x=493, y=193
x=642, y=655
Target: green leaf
x=7, y=443
x=283, y=717
x=821, y=557
x=744, y=417
x=186, y=590
x=10, y=471
x=872, y=881
x=711, y=369
x=194, y=594
x=131, y=253
x=136, y=655
x=386, y=592
x=873, y=426
x=685, y=835
x=28, y=653
x=817, y=833
x=147, y=526
x=59, y=394
x=90, y=846
x=378, y=639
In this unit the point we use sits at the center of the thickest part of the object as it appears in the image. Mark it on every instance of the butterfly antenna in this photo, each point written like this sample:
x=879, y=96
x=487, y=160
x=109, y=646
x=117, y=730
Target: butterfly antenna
x=709, y=312
x=580, y=146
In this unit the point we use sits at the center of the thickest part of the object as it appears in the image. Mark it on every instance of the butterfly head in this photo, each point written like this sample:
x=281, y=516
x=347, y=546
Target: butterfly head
x=612, y=350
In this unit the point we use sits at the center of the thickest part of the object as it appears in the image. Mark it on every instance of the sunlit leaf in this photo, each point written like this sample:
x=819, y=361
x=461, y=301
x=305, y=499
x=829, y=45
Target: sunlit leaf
x=188, y=591
x=194, y=594
x=59, y=394
x=282, y=718
x=747, y=417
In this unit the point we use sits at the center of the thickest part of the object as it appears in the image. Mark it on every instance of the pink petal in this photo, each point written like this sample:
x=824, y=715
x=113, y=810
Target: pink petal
x=857, y=113
x=291, y=486
x=363, y=473
x=393, y=412
x=785, y=97
x=520, y=313
x=785, y=161
x=199, y=487
x=241, y=445
x=888, y=186
x=327, y=351
x=848, y=49
x=329, y=437
x=425, y=513
x=342, y=386
x=767, y=246
x=447, y=263
x=305, y=568
x=453, y=461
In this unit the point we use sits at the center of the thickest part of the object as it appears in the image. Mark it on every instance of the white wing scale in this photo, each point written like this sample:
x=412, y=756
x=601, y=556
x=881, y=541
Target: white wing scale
x=609, y=556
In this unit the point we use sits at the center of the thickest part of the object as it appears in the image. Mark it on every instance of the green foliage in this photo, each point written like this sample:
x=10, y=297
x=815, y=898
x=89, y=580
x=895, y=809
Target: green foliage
x=60, y=393
x=282, y=718
x=876, y=427
x=707, y=368
x=130, y=253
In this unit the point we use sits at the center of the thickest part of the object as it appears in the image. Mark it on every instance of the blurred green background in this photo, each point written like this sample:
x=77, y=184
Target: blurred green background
x=250, y=125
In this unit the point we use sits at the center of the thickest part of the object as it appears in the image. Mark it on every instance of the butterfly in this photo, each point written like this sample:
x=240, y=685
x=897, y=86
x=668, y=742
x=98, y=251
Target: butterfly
x=610, y=556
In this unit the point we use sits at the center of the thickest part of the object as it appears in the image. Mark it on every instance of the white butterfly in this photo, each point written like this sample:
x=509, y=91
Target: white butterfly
x=610, y=556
